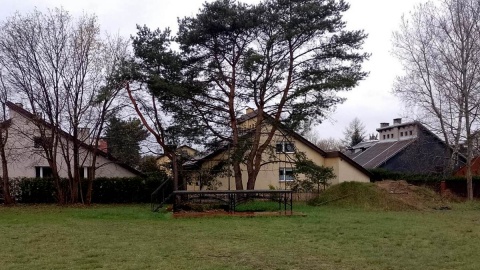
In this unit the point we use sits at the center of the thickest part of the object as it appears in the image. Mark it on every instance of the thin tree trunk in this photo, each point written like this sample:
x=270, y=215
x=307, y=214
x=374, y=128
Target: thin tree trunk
x=7, y=197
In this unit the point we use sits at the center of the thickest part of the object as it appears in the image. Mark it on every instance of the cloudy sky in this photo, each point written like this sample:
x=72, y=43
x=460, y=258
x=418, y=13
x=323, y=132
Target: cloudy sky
x=372, y=101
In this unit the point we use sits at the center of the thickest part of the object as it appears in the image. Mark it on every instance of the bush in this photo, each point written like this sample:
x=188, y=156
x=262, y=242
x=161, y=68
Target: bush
x=105, y=190
x=35, y=190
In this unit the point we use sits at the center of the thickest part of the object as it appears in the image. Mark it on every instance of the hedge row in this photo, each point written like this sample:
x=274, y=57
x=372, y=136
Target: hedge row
x=382, y=174
x=455, y=184
x=105, y=190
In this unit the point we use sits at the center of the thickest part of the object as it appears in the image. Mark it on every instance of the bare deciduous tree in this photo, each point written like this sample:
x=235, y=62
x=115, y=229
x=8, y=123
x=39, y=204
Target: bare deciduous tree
x=330, y=144
x=4, y=125
x=60, y=65
x=439, y=48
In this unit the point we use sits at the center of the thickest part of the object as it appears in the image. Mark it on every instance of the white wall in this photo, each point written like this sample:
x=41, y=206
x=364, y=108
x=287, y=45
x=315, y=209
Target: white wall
x=23, y=157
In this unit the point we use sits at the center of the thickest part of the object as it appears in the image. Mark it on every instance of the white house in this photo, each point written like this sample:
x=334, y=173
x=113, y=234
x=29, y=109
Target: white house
x=25, y=154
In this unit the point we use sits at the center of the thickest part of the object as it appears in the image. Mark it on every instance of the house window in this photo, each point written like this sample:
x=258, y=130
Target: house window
x=384, y=136
x=39, y=142
x=84, y=172
x=285, y=147
x=285, y=174
x=410, y=132
x=43, y=172
x=401, y=134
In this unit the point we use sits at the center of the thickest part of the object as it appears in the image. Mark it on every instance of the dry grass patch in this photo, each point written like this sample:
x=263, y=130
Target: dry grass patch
x=384, y=195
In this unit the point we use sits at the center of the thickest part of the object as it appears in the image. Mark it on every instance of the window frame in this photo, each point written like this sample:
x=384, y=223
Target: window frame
x=82, y=171
x=285, y=145
x=41, y=171
x=282, y=171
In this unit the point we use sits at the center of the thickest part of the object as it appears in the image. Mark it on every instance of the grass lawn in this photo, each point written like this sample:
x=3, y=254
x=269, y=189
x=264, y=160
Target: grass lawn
x=131, y=237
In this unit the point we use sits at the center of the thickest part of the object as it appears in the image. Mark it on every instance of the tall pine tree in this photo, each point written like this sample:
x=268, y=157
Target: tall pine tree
x=123, y=138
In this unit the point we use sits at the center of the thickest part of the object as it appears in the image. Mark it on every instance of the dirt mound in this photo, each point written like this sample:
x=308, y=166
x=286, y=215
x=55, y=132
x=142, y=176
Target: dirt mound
x=417, y=197
x=386, y=195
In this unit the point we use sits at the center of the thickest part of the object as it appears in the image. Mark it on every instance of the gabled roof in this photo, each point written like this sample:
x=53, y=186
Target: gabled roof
x=298, y=137
x=65, y=134
x=380, y=153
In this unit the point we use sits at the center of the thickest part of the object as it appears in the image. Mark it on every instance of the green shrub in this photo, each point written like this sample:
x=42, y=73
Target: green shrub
x=35, y=190
x=105, y=190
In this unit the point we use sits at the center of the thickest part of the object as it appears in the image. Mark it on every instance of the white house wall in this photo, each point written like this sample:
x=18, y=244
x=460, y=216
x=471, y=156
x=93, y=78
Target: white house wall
x=23, y=157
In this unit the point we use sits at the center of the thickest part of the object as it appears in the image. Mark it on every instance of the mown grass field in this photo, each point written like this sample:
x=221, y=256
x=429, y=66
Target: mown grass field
x=132, y=237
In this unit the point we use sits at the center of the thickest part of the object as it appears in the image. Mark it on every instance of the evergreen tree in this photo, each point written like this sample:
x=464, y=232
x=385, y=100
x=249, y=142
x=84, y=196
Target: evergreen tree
x=354, y=133
x=123, y=138
x=287, y=57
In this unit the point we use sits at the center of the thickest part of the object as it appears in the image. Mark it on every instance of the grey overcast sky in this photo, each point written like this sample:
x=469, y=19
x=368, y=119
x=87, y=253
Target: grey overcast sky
x=372, y=101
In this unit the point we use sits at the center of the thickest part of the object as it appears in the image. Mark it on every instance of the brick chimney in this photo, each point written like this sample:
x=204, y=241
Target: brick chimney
x=384, y=125
x=397, y=121
x=249, y=110
x=103, y=145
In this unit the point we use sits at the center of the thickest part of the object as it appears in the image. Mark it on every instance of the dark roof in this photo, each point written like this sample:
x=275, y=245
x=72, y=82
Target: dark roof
x=379, y=153
x=365, y=144
x=32, y=117
x=290, y=132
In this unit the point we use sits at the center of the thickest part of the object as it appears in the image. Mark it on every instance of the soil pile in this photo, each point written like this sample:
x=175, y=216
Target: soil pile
x=386, y=195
